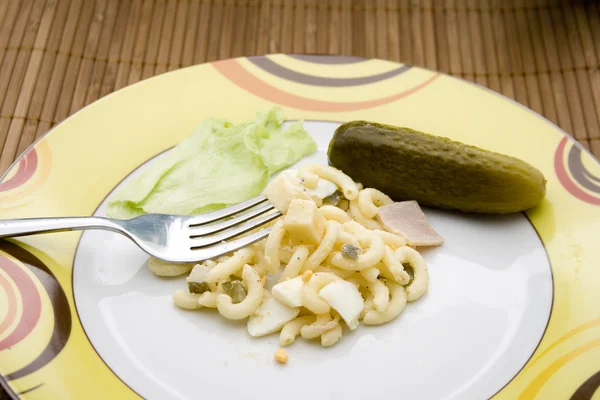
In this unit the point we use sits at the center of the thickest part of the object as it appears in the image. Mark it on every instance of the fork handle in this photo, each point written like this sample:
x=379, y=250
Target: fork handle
x=32, y=226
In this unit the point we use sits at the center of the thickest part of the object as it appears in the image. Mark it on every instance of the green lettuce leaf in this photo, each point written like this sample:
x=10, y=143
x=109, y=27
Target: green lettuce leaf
x=220, y=164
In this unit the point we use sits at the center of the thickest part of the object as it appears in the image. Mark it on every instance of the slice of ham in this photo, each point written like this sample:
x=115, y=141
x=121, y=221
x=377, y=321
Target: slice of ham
x=408, y=220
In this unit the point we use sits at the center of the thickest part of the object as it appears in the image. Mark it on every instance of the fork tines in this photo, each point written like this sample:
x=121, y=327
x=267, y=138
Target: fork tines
x=219, y=226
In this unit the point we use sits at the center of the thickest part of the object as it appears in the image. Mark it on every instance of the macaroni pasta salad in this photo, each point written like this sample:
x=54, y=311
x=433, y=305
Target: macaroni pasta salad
x=329, y=257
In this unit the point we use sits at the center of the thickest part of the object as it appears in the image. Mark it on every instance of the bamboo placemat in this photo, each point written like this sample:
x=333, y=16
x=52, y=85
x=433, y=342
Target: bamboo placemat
x=56, y=56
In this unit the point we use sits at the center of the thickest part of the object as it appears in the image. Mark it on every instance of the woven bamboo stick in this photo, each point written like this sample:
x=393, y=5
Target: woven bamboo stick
x=69, y=88
x=127, y=48
x=595, y=147
x=282, y=11
x=141, y=42
x=322, y=28
x=451, y=56
x=466, y=45
x=8, y=22
x=250, y=38
x=119, y=39
x=528, y=61
x=310, y=29
x=299, y=27
x=3, y=11
x=585, y=22
x=574, y=106
x=476, y=40
x=557, y=87
x=24, y=75
x=391, y=33
x=334, y=28
x=229, y=24
x=15, y=63
x=286, y=34
x=47, y=117
x=376, y=30
x=489, y=46
x=214, y=34
x=166, y=38
x=240, y=28
x=346, y=29
x=106, y=40
x=454, y=51
x=44, y=77
x=593, y=13
x=268, y=29
x=579, y=64
x=370, y=49
x=87, y=57
x=514, y=59
x=406, y=38
x=441, y=39
x=9, y=61
x=540, y=65
x=179, y=30
x=35, y=61
x=429, y=37
x=202, y=34
x=189, y=35
x=502, y=49
x=156, y=25
x=358, y=22
x=239, y=25
x=416, y=16
x=558, y=91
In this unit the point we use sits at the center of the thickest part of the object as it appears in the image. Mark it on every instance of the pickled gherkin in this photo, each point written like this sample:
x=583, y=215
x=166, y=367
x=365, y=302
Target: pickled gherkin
x=198, y=288
x=409, y=165
x=236, y=290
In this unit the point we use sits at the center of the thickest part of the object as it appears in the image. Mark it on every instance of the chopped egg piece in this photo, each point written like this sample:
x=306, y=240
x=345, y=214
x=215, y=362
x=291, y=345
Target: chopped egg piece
x=406, y=219
x=289, y=292
x=324, y=188
x=304, y=223
x=270, y=317
x=284, y=189
x=344, y=298
x=288, y=186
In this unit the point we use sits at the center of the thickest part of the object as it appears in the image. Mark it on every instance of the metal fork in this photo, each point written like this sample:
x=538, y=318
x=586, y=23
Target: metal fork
x=168, y=237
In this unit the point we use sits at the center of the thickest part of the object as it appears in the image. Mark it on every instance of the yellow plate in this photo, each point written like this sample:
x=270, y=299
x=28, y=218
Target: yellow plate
x=44, y=350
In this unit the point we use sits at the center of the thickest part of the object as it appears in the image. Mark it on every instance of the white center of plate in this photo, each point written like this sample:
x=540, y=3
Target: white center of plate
x=485, y=311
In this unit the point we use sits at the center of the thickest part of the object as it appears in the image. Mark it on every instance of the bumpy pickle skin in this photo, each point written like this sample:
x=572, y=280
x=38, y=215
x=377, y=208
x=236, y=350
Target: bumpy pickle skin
x=410, y=165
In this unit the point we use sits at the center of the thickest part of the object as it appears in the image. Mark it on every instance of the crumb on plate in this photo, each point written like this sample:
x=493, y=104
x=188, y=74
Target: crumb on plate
x=281, y=356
